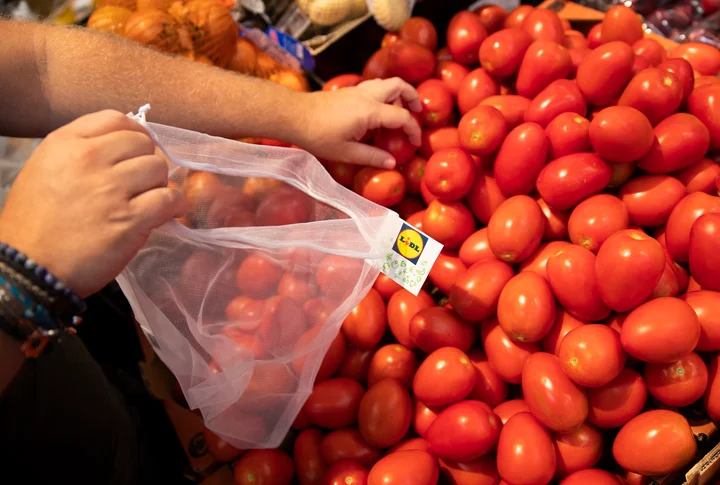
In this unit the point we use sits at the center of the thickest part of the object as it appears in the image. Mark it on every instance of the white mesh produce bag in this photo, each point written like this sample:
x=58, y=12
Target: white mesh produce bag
x=244, y=315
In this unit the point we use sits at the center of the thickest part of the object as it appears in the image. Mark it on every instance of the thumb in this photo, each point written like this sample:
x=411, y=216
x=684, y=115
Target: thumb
x=361, y=154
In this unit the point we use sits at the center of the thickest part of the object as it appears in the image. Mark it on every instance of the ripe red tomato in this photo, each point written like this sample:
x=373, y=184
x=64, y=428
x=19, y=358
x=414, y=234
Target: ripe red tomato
x=650, y=49
x=435, y=139
x=482, y=471
x=564, y=324
x=517, y=16
x=556, y=222
x=297, y=287
x=220, y=449
x=655, y=92
x=333, y=358
x=492, y=17
x=704, y=103
x=571, y=274
x=507, y=357
x=484, y=197
x=448, y=222
x=578, y=450
x=526, y=308
x=345, y=472
x=476, y=248
x=446, y=270
x=680, y=141
x=405, y=468
x=421, y=31
x=437, y=327
x=621, y=23
x=411, y=61
x=342, y=81
x=308, y=459
x=704, y=58
x=482, y=130
x=707, y=307
x=555, y=400
x=512, y=107
x=651, y=198
x=474, y=88
x=700, y=177
x=337, y=275
x=385, y=413
x=411, y=444
x=628, y=266
x=384, y=187
x=348, y=444
x=264, y=467
x=545, y=61
x=595, y=36
x=392, y=361
x=343, y=173
x=401, y=308
x=450, y=366
x=365, y=324
x=680, y=383
x=437, y=103
x=423, y=417
x=621, y=134
x=605, y=72
x=702, y=251
x=594, y=476
x=334, y=403
x=655, y=443
x=544, y=24
x=510, y=408
x=465, y=34
x=568, y=180
x=258, y=276
x=568, y=133
x=616, y=403
x=526, y=452
x=711, y=400
x=502, y=52
x=520, y=159
x=516, y=228
x=561, y=96
x=464, y=431
x=592, y=355
x=450, y=174
x=379, y=66
x=396, y=143
x=476, y=292
x=452, y=74
x=681, y=220
x=575, y=40
x=661, y=331
x=537, y=262
x=595, y=219
x=413, y=172
x=489, y=388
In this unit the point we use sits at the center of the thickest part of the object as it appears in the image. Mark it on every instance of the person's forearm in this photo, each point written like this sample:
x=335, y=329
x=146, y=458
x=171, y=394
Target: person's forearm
x=50, y=76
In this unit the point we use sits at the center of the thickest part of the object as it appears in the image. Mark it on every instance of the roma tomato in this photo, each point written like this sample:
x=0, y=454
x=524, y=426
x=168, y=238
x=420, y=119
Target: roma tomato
x=342, y=81
x=421, y=31
x=413, y=171
x=366, y=323
x=575, y=40
x=683, y=71
x=703, y=80
x=394, y=361
x=595, y=36
x=449, y=174
x=621, y=23
x=544, y=24
x=680, y=141
x=516, y=229
x=411, y=444
x=220, y=449
x=661, y=331
x=561, y=96
x=474, y=88
x=596, y=219
x=333, y=358
x=452, y=74
x=409, y=206
x=621, y=134
x=512, y=107
x=681, y=220
x=704, y=58
x=510, y=408
x=343, y=173
x=707, y=308
x=345, y=472
x=526, y=308
x=264, y=467
x=578, y=450
x=437, y=103
x=450, y=366
x=502, y=52
x=592, y=355
x=680, y=383
x=711, y=400
x=437, y=327
x=526, y=452
x=592, y=476
x=655, y=443
x=405, y=468
x=348, y=444
x=489, y=388
x=517, y=16
x=476, y=248
x=309, y=466
x=379, y=65
x=577, y=55
x=568, y=180
x=464, y=431
x=411, y=61
x=700, y=177
x=537, y=262
x=520, y=159
x=702, y=251
x=384, y=187
x=482, y=130
x=571, y=274
x=545, y=61
x=650, y=49
x=650, y=199
x=402, y=306
x=654, y=92
x=556, y=222
x=476, y=292
x=484, y=197
x=465, y=34
x=492, y=17
x=385, y=413
x=605, y=72
x=448, y=222
x=396, y=143
x=617, y=402
x=446, y=270
x=334, y=403
x=258, y=276
x=356, y=363
x=628, y=266
x=564, y=324
x=568, y=133
x=435, y=139
x=482, y=471
x=555, y=400
x=507, y=357
x=704, y=103
x=423, y=417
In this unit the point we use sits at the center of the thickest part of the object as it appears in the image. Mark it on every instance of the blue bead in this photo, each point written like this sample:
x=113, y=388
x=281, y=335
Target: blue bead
x=49, y=279
x=30, y=264
x=40, y=272
x=10, y=252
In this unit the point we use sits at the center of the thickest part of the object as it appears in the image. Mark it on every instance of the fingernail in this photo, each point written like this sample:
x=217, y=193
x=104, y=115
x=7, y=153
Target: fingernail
x=389, y=163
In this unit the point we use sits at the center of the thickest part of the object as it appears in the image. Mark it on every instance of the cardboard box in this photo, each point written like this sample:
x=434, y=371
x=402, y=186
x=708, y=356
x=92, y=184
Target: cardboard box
x=189, y=428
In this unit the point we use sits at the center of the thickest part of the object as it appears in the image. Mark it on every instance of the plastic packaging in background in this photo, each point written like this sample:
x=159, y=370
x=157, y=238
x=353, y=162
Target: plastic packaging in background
x=706, y=31
x=243, y=316
x=391, y=14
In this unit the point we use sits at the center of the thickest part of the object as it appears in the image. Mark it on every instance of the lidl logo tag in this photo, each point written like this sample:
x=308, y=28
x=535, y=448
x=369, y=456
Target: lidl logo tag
x=410, y=243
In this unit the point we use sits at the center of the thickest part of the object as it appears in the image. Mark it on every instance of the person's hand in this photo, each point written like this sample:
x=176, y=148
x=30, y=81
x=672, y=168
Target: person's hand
x=87, y=198
x=335, y=121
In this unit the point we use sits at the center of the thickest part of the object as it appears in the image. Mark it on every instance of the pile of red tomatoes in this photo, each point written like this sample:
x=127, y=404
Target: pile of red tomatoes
x=576, y=305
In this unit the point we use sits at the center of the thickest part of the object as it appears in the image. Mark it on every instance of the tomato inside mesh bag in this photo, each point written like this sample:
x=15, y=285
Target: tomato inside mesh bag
x=243, y=298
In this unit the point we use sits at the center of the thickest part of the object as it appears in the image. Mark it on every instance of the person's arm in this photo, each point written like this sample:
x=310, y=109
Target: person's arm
x=52, y=75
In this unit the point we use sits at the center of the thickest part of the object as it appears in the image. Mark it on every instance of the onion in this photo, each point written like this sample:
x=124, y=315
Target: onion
x=266, y=65
x=163, y=5
x=128, y=4
x=212, y=29
x=291, y=79
x=109, y=19
x=245, y=58
x=155, y=28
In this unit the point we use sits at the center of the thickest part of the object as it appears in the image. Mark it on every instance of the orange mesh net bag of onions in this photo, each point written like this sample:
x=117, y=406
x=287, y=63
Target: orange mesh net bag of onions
x=211, y=27
x=110, y=19
x=155, y=28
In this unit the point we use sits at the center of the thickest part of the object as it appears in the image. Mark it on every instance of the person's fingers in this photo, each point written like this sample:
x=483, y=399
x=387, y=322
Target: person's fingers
x=142, y=174
x=157, y=206
x=119, y=146
x=389, y=90
x=102, y=123
x=394, y=117
x=361, y=154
